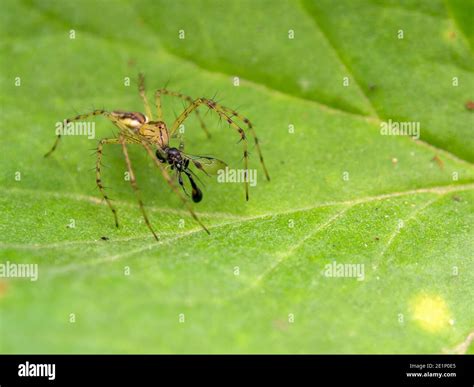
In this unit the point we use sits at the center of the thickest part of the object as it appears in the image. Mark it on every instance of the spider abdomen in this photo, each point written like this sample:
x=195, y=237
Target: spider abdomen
x=132, y=120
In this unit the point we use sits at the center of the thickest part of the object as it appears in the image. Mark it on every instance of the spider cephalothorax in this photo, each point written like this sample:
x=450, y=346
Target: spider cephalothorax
x=155, y=132
x=141, y=129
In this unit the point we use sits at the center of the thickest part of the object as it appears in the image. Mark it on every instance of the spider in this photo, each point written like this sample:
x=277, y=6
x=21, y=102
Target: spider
x=154, y=136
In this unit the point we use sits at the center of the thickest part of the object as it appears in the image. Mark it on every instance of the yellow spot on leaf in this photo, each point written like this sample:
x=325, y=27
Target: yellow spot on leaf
x=430, y=312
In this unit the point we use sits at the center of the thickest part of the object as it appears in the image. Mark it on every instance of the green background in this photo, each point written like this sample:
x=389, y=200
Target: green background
x=417, y=293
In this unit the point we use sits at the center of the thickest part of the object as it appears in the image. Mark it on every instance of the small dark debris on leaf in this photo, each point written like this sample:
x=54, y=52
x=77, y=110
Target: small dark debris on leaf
x=104, y=238
x=470, y=105
x=376, y=238
x=456, y=198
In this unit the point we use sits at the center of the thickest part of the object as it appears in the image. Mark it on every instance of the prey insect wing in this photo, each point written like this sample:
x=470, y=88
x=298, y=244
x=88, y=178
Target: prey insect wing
x=208, y=165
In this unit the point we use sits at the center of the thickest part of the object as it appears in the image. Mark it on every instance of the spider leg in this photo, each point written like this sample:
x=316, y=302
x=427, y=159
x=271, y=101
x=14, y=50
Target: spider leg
x=173, y=186
x=55, y=145
x=186, y=98
x=80, y=117
x=222, y=113
x=233, y=113
x=98, y=174
x=141, y=91
x=133, y=182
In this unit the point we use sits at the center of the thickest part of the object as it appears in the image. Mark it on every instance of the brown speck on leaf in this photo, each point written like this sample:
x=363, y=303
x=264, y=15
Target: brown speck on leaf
x=456, y=198
x=470, y=105
x=376, y=238
x=452, y=34
x=131, y=62
x=281, y=325
x=104, y=238
x=3, y=288
x=438, y=161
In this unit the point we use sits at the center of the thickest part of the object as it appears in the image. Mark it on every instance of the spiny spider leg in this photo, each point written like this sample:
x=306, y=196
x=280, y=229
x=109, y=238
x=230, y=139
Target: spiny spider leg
x=254, y=135
x=141, y=90
x=78, y=118
x=98, y=174
x=133, y=182
x=135, y=127
x=100, y=146
x=170, y=182
x=218, y=109
x=186, y=98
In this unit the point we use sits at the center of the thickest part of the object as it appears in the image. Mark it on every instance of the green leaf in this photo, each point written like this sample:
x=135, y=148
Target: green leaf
x=341, y=193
